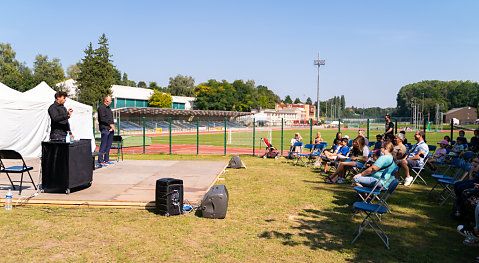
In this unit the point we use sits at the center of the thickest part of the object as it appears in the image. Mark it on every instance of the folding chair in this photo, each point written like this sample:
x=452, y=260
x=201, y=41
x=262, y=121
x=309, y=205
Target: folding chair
x=371, y=144
x=291, y=153
x=13, y=155
x=456, y=164
x=118, y=144
x=374, y=193
x=369, y=211
x=432, y=149
x=303, y=155
x=418, y=169
x=448, y=185
x=316, y=152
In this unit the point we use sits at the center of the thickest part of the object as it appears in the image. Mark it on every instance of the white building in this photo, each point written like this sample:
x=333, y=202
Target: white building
x=126, y=96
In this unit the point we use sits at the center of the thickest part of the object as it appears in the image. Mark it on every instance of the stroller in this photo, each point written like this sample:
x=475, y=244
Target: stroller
x=271, y=151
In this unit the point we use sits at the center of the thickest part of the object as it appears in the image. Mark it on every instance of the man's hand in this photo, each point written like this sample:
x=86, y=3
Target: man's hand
x=70, y=111
x=112, y=127
x=357, y=176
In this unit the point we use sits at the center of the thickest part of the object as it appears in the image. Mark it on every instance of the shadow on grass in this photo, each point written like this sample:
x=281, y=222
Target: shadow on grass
x=419, y=230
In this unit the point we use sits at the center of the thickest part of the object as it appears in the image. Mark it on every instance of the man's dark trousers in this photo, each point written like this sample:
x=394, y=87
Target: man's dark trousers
x=105, y=145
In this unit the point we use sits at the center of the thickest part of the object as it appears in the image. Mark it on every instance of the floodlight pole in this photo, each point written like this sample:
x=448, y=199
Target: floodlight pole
x=319, y=62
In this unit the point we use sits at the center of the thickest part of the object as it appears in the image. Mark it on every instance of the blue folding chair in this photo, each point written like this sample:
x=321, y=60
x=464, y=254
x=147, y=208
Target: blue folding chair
x=17, y=169
x=317, y=151
x=374, y=193
x=306, y=155
x=370, y=211
x=350, y=143
x=294, y=154
x=448, y=185
x=371, y=144
x=432, y=149
x=456, y=164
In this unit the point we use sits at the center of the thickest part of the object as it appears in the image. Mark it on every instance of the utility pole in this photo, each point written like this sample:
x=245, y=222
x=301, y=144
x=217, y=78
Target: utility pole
x=318, y=63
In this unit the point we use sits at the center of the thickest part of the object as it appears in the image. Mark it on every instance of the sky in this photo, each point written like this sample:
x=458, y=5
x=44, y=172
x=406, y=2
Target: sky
x=371, y=48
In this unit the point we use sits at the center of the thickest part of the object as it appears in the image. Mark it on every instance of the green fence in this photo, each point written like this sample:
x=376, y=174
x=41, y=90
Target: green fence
x=195, y=135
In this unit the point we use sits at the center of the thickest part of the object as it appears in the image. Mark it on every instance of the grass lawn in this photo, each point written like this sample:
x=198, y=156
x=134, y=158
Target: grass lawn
x=245, y=139
x=277, y=213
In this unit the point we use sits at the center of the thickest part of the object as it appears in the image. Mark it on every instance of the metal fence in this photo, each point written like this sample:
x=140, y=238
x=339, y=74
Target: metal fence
x=194, y=135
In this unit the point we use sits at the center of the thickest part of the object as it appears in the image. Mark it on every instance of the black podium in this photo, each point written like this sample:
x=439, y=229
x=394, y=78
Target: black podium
x=66, y=165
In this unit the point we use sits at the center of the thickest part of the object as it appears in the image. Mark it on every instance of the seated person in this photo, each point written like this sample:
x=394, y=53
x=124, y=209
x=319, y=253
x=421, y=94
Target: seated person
x=459, y=187
x=379, y=142
x=360, y=156
x=405, y=140
x=475, y=141
x=415, y=158
x=462, y=134
x=389, y=137
x=439, y=156
x=399, y=148
x=318, y=139
x=458, y=148
x=340, y=152
x=338, y=138
x=297, y=149
x=361, y=133
x=371, y=176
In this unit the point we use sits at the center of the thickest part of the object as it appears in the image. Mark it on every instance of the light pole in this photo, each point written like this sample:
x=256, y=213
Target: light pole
x=319, y=62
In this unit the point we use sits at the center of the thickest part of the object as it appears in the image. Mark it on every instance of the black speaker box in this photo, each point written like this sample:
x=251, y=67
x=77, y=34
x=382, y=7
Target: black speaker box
x=215, y=202
x=169, y=196
x=235, y=162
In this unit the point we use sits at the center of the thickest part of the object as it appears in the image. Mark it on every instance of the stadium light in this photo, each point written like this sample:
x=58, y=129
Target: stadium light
x=319, y=62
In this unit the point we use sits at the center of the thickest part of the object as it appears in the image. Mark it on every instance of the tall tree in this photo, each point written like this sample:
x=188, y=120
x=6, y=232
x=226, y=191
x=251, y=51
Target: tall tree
x=49, y=71
x=141, y=84
x=309, y=101
x=182, y=86
x=288, y=100
x=297, y=101
x=73, y=71
x=9, y=67
x=343, y=102
x=96, y=73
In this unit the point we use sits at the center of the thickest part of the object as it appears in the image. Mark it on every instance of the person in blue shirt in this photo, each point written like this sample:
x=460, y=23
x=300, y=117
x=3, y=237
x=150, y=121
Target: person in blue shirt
x=342, y=151
x=415, y=158
x=374, y=174
x=379, y=142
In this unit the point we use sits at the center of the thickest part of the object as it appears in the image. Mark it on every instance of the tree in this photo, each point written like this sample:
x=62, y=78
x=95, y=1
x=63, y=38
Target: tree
x=96, y=73
x=343, y=102
x=309, y=101
x=297, y=101
x=73, y=71
x=49, y=71
x=288, y=100
x=160, y=100
x=153, y=85
x=141, y=84
x=182, y=86
x=9, y=67
x=127, y=82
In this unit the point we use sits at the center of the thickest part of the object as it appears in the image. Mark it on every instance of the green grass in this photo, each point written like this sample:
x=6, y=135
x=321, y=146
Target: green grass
x=245, y=139
x=277, y=213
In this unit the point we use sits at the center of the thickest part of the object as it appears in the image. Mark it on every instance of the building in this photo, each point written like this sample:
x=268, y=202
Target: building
x=125, y=96
x=308, y=113
x=465, y=115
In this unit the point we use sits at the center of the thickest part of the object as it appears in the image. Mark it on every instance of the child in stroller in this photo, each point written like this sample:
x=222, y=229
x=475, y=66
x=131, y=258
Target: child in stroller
x=271, y=151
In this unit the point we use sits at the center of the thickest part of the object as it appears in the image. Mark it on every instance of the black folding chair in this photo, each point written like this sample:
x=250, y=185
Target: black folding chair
x=13, y=155
x=118, y=144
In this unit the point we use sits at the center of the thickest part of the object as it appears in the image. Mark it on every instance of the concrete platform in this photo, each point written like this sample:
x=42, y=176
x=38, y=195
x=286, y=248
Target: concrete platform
x=129, y=183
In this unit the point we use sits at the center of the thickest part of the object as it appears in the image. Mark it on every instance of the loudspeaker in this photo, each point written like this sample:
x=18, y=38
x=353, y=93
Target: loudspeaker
x=169, y=196
x=235, y=162
x=215, y=202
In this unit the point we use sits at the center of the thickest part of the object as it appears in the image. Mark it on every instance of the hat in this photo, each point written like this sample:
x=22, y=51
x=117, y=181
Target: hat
x=443, y=142
x=377, y=152
x=346, y=136
x=401, y=136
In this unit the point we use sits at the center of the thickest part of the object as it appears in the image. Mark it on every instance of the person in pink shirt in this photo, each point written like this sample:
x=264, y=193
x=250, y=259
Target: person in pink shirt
x=439, y=156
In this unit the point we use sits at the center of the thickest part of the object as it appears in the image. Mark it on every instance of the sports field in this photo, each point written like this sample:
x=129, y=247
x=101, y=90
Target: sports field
x=244, y=139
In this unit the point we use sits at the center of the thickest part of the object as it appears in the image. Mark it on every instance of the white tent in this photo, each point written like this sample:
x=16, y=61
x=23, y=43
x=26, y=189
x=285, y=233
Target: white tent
x=27, y=123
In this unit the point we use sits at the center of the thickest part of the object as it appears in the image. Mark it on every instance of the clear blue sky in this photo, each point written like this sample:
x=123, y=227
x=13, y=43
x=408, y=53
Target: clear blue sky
x=371, y=48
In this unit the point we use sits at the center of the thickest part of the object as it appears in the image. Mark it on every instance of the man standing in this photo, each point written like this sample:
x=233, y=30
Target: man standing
x=416, y=158
x=59, y=116
x=107, y=130
x=389, y=126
